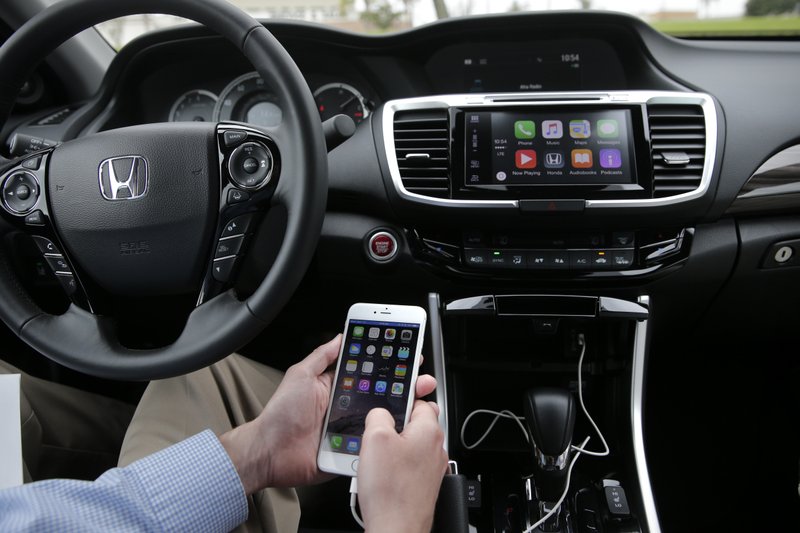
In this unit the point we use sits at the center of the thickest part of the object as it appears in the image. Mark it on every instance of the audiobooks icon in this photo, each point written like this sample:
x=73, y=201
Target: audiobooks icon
x=582, y=159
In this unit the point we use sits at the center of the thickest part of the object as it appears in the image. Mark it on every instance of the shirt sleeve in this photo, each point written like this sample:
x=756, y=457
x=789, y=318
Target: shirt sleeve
x=190, y=486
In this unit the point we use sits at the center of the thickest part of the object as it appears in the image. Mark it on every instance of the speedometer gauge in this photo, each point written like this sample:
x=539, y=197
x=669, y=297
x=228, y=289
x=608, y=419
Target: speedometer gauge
x=248, y=99
x=340, y=98
x=194, y=106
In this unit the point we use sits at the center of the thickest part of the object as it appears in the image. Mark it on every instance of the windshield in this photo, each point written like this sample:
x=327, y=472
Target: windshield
x=681, y=18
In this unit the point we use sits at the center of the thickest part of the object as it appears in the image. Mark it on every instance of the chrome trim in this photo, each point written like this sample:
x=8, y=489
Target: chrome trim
x=551, y=462
x=637, y=398
x=439, y=367
x=381, y=258
x=139, y=167
x=540, y=99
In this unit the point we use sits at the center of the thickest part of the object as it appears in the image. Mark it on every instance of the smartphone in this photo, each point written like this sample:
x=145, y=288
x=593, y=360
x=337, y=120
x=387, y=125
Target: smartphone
x=378, y=367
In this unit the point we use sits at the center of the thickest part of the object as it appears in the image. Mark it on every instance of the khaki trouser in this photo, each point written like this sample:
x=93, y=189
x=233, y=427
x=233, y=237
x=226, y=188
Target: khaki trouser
x=219, y=397
x=67, y=432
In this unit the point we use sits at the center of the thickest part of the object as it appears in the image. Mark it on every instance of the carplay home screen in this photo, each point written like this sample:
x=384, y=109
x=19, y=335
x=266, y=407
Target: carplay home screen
x=375, y=371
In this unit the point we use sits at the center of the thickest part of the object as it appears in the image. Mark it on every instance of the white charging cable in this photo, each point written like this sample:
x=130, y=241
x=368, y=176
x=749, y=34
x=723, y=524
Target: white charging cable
x=497, y=416
x=353, y=495
x=581, y=449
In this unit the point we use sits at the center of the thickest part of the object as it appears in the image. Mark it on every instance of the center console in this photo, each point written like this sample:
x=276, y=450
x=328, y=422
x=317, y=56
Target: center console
x=520, y=353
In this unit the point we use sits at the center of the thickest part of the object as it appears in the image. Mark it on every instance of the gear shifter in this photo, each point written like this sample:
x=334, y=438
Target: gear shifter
x=550, y=417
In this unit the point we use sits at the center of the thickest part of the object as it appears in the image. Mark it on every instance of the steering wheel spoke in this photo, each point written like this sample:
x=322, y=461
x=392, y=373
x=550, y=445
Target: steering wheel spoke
x=24, y=203
x=250, y=168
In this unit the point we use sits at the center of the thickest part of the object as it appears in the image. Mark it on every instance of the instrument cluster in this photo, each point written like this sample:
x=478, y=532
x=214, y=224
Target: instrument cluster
x=249, y=99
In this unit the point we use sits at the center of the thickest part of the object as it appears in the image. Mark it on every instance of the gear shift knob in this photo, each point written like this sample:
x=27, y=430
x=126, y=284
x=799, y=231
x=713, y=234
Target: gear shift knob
x=550, y=416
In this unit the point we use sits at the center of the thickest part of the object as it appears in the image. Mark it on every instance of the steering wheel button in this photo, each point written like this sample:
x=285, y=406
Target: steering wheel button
x=250, y=165
x=234, y=138
x=23, y=192
x=229, y=246
x=20, y=192
x=68, y=283
x=57, y=263
x=223, y=268
x=45, y=245
x=35, y=219
x=32, y=163
x=236, y=196
x=238, y=226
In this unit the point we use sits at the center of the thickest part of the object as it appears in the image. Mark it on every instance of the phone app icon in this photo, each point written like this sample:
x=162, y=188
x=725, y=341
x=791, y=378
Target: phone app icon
x=403, y=352
x=336, y=441
x=610, y=158
x=387, y=351
x=406, y=334
x=553, y=160
x=370, y=349
x=582, y=159
x=353, y=443
x=363, y=385
x=344, y=401
x=397, y=389
x=552, y=129
x=347, y=384
x=366, y=367
x=380, y=386
x=374, y=333
x=607, y=128
x=390, y=334
x=525, y=158
x=351, y=365
x=524, y=129
x=355, y=348
x=580, y=129
x=358, y=332
x=400, y=371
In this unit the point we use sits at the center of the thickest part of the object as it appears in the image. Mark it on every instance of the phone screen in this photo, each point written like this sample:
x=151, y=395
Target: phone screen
x=377, y=365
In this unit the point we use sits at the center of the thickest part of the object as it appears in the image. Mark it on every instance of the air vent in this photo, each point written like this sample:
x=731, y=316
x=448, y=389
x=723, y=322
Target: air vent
x=421, y=141
x=678, y=137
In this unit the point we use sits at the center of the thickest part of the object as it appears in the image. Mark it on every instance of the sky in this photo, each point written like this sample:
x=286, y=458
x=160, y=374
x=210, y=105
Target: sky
x=424, y=12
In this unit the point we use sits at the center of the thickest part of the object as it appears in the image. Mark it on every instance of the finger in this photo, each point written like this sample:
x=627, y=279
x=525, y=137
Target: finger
x=422, y=414
x=378, y=418
x=324, y=356
x=435, y=407
x=426, y=384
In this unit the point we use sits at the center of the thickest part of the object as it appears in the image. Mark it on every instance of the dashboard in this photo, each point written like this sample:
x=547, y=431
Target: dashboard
x=535, y=153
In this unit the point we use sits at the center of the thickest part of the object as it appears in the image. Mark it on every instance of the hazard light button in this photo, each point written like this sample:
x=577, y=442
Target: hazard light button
x=382, y=246
x=552, y=206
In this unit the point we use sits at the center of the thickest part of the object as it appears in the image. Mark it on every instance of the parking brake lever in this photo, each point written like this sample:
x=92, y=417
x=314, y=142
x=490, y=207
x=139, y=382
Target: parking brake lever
x=337, y=130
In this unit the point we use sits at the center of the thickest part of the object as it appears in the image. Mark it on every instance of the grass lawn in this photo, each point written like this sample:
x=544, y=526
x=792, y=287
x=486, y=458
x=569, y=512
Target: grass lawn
x=746, y=26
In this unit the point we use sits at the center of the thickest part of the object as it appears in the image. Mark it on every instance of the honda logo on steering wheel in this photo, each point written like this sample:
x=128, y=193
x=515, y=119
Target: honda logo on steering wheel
x=124, y=178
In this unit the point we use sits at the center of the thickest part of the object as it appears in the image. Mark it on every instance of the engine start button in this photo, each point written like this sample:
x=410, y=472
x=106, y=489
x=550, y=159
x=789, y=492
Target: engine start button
x=382, y=246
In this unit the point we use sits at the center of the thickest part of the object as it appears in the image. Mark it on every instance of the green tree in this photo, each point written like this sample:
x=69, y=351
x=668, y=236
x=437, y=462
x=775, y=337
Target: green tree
x=380, y=14
x=761, y=8
x=586, y=4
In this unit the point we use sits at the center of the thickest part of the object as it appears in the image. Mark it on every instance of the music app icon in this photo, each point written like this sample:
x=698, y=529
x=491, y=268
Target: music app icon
x=552, y=129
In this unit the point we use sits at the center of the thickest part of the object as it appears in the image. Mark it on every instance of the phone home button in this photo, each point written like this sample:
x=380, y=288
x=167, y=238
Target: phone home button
x=354, y=466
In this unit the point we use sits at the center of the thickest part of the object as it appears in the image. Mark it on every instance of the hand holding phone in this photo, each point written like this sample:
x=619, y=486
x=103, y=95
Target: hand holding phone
x=377, y=367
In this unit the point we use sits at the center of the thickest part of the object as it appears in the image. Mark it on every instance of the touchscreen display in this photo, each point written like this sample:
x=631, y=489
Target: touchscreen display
x=375, y=371
x=567, y=147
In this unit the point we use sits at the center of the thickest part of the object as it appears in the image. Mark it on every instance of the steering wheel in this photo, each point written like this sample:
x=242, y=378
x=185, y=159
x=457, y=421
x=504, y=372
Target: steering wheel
x=160, y=209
